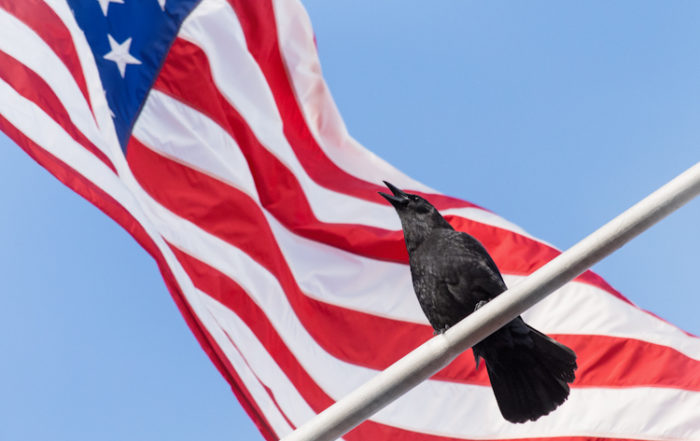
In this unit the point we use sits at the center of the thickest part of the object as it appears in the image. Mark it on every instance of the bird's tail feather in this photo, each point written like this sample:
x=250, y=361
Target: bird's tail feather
x=530, y=380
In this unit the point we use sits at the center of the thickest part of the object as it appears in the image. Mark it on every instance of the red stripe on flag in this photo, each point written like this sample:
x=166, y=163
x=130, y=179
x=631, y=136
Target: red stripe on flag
x=119, y=214
x=235, y=298
x=264, y=386
x=31, y=86
x=519, y=255
x=43, y=20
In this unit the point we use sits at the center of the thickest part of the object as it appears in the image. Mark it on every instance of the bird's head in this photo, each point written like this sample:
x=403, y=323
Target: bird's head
x=418, y=216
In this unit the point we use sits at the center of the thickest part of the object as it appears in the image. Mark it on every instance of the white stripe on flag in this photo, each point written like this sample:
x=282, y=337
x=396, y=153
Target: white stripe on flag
x=34, y=53
x=220, y=321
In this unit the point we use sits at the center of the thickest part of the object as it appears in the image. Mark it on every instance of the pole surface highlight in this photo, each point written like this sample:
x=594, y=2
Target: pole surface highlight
x=440, y=350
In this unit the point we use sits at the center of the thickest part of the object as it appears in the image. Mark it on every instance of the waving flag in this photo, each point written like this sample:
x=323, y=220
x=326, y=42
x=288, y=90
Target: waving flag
x=205, y=129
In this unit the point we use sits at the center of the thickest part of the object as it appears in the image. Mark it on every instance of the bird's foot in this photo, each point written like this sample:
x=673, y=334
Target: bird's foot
x=440, y=331
x=480, y=303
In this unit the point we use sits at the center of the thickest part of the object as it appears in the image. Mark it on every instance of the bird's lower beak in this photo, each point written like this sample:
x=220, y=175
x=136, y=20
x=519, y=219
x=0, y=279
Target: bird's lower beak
x=398, y=199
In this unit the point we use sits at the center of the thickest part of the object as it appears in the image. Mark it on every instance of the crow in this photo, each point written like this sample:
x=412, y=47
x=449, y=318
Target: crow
x=453, y=275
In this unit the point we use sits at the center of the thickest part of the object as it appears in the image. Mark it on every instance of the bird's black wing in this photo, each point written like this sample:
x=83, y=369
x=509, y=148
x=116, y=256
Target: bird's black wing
x=452, y=273
x=469, y=273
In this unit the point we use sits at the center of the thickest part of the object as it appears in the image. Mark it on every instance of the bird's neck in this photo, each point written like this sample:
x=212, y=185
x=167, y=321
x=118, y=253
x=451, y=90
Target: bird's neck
x=417, y=233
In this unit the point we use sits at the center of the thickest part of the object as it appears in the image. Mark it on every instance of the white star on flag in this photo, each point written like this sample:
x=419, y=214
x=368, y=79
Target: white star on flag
x=162, y=4
x=120, y=54
x=104, y=4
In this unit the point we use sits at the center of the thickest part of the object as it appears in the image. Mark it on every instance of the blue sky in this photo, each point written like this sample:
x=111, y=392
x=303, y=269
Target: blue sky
x=555, y=115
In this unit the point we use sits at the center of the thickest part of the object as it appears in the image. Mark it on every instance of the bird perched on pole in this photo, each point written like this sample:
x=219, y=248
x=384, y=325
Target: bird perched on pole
x=453, y=275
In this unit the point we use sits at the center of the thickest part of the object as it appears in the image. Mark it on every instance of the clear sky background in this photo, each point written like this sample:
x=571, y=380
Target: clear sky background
x=555, y=115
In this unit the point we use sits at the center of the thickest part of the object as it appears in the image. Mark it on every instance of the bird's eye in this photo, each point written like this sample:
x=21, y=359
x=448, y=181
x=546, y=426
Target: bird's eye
x=423, y=208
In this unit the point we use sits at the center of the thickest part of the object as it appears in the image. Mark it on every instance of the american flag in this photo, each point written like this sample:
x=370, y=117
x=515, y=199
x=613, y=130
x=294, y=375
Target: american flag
x=205, y=129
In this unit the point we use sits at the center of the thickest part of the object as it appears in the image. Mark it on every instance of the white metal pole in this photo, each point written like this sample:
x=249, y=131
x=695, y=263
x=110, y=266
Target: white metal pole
x=439, y=351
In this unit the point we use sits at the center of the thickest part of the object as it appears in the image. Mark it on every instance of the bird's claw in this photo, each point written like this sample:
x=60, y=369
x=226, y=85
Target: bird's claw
x=480, y=303
x=440, y=331
x=477, y=357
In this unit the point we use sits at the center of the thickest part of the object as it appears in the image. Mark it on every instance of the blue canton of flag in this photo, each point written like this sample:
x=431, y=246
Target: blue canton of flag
x=130, y=40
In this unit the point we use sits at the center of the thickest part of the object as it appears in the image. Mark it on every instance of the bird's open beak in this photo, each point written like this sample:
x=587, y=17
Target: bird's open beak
x=398, y=199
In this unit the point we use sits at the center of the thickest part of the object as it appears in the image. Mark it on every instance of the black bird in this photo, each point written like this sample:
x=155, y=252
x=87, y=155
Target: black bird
x=453, y=275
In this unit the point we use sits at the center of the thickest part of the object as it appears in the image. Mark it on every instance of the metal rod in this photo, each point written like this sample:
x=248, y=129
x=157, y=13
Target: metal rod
x=439, y=351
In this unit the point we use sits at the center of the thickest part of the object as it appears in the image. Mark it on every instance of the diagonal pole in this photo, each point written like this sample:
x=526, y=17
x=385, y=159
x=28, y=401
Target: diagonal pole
x=439, y=351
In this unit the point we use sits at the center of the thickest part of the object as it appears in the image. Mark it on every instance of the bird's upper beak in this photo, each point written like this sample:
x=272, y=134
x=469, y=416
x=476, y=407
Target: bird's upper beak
x=399, y=199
